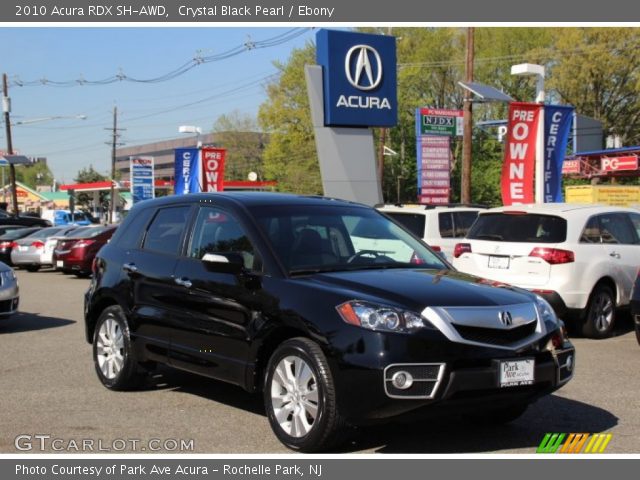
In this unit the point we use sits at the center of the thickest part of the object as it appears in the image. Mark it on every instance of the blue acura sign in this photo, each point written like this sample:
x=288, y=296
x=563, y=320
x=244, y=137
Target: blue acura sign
x=359, y=73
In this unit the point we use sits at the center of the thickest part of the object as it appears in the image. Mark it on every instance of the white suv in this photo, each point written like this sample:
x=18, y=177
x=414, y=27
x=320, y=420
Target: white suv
x=582, y=258
x=439, y=227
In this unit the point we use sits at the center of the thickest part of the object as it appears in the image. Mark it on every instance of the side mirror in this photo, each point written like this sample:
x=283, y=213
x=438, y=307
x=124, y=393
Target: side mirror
x=224, y=262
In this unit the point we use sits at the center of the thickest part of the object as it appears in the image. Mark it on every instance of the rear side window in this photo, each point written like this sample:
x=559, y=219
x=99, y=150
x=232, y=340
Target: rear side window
x=133, y=229
x=591, y=232
x=519, y=227
x=635, y=220
x=414, y=222
x=165, y=232
x=616, y=228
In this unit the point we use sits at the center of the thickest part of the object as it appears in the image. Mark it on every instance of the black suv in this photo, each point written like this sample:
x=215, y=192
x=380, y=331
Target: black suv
x=336, y=313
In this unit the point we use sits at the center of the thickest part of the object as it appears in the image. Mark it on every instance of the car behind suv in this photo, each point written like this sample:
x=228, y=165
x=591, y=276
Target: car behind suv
x=270, y=292
x=582, y=258
x=439, y=227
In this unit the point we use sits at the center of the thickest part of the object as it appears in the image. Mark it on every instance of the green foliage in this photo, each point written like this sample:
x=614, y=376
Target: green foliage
x=290, y=156
x=239, y=134
x=33, y=175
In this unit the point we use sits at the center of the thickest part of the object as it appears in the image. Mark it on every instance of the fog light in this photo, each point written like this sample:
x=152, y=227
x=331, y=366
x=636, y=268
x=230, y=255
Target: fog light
x=402, y=380
x=569, y=363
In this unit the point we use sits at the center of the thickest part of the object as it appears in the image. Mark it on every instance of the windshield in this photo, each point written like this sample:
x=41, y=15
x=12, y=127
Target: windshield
x=310, y=239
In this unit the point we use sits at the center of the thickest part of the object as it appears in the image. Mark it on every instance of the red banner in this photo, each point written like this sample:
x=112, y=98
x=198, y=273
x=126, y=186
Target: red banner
x=213, y=169
x=520, y=153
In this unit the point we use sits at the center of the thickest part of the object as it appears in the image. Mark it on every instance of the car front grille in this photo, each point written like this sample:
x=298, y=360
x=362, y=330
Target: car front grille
x=495, y=336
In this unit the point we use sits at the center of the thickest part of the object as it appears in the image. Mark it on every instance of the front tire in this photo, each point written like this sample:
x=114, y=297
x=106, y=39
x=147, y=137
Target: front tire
x=600, y=315
x=300, y=397
x=113, y=356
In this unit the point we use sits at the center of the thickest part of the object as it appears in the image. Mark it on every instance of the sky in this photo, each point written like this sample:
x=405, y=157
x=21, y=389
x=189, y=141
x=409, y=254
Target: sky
x=148, y=111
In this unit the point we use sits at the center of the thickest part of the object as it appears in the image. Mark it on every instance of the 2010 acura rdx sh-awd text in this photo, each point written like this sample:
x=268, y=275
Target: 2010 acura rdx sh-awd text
x=270, y=292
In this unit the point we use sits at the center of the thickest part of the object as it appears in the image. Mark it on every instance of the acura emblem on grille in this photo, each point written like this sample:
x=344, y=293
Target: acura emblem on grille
x=505, y=318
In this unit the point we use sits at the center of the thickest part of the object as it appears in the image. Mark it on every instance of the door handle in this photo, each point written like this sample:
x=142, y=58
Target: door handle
x=130, y=267
x=184, y=282
x=614, y=255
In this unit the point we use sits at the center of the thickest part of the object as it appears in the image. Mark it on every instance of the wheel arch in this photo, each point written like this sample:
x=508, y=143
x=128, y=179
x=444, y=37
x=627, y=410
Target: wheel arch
x=93, y=313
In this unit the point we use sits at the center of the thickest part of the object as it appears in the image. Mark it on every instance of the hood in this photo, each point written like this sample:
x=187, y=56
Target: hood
x=416, y=289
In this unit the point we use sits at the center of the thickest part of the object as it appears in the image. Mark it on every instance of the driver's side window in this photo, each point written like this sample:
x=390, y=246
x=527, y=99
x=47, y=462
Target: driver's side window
x=218, y=232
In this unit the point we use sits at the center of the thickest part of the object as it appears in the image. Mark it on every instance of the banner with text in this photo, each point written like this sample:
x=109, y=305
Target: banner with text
x=142, y=178
x=213, y=169
x=520, y=153
x=558, y=120
x=187, y=173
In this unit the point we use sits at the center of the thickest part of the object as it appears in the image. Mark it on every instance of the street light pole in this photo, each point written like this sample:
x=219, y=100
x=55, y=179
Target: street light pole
x=6, y=106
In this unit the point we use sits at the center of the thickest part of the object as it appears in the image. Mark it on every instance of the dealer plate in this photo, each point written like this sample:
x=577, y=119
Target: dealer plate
x=498, y=262
x=514, y=373
x=23, y=249
x=59, y=264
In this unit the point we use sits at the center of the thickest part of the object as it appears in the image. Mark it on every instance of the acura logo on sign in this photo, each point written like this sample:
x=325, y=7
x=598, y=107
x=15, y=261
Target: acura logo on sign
x=505, y=318
x=361, y=73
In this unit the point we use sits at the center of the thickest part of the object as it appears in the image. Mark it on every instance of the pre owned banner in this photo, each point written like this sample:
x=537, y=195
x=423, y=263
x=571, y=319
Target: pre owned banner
x=557, y=126
x=187, y=175
x=142, y=186
x=520, y=153
x=213, y=169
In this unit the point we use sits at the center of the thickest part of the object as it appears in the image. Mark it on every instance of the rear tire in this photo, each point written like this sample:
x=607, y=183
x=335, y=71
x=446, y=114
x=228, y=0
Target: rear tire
x=32, y=268
x=300, y=397
x=600, y=315
x=113, y=356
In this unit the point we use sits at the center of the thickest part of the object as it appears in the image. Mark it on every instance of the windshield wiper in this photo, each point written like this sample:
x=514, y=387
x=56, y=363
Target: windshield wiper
x=488, y=236
x=309, y=271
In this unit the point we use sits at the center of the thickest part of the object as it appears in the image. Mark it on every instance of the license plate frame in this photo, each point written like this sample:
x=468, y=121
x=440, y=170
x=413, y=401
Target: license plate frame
x=516, y=372
x=499, y=262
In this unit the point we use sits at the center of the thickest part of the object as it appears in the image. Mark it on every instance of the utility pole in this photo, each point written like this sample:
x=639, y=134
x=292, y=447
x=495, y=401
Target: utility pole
x=114, y=144
x=467, y=123
x=6, y=107
x=383, y=139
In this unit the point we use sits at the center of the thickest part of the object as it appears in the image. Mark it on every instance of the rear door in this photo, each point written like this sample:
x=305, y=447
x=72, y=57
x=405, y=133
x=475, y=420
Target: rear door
x=621, y=243
x=508, y=247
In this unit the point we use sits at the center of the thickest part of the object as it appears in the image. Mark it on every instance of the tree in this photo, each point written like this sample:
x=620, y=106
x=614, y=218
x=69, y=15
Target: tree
x=89, y=175
x=34, y=175
x=597, y=70
x=239, y=134
x=290, y=155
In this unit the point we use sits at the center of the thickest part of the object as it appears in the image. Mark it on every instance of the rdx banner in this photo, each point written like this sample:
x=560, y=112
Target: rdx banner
x=520, y=153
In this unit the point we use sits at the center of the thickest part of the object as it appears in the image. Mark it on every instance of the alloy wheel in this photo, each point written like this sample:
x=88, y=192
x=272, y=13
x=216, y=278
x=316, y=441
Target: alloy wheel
x=110, y=348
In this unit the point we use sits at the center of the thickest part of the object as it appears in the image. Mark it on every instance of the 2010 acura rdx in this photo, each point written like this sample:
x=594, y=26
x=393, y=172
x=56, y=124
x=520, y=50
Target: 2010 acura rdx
x=288, y=295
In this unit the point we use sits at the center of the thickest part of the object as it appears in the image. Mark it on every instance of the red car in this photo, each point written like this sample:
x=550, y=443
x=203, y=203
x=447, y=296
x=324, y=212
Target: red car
x=75, y=254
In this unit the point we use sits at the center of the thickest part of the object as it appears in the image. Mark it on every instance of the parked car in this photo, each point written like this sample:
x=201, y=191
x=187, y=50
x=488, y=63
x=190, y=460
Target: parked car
x=46, y=259
x=582, y=258
x=635, y=305
x=268, y=292
x=9, y=291
x=63, y=246
x=78, y=256
x=439, y=227
x=24, y=220
x=64, y=217
x=8, y=241
x=29, y=250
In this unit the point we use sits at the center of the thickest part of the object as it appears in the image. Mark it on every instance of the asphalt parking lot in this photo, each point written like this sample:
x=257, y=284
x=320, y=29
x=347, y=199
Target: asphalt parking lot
x=49, y=387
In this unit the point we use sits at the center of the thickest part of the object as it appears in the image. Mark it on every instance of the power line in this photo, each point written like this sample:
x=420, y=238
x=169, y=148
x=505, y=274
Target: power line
x=121, y=76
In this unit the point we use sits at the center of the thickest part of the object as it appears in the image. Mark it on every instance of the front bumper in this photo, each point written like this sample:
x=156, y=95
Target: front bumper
x=456, y=378
x=9, y=299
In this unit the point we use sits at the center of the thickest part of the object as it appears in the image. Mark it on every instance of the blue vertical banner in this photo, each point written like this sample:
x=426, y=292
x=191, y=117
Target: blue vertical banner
x=187, y=174
x=142, y=178
x=557, y=126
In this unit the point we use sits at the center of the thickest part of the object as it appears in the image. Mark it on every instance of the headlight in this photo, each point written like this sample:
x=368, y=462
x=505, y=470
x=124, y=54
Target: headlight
x=381, y=318
x=546, y=311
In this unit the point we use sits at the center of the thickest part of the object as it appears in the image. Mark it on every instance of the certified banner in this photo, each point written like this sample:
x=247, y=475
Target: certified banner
x=557, y=125
x=142, y=179
x=520, y=153
x=187, y=173
x=213, y=169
